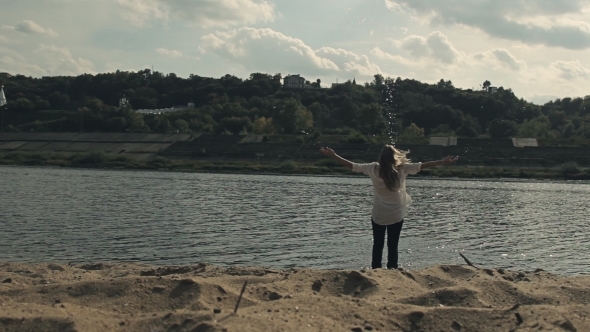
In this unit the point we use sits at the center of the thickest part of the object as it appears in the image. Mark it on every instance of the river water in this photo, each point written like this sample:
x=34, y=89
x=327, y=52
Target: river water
x=164, y=218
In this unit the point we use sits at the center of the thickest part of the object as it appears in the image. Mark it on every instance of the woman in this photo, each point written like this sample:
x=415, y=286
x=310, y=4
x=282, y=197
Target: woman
x=390, y=200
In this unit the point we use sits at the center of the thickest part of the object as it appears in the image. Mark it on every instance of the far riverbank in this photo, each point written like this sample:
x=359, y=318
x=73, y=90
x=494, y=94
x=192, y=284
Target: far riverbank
x=101, y=160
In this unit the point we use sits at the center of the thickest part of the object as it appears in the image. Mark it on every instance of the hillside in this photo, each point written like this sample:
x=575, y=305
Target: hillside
x=402, y=108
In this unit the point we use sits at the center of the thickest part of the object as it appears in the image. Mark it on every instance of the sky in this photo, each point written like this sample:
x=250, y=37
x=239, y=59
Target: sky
x=538, y=48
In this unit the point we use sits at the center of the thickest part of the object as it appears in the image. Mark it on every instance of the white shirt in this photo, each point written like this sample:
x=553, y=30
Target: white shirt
x=389, y=207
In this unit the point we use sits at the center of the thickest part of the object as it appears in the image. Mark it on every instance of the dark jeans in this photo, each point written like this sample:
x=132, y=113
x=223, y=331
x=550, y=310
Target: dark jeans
x=393, y=232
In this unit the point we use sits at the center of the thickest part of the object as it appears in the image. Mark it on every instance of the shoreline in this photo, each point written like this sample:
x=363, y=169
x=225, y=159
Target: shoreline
x=581, y=178
x=201, y=297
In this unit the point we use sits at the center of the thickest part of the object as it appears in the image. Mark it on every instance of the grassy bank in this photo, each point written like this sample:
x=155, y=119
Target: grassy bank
x=99, y=159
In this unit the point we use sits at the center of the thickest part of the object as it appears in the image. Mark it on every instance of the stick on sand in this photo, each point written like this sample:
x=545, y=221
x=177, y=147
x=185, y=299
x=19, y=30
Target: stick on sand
x=467, y=261
x=240, y=298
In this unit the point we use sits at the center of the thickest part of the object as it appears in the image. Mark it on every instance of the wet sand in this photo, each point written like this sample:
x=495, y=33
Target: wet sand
x=202, y=298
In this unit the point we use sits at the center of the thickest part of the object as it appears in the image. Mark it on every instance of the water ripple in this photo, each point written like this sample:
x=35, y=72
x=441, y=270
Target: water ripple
x=284, y=221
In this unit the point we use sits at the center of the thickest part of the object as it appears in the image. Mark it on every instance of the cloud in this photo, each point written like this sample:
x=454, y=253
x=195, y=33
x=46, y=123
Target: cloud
x=269, y=50
x=46, y=60
x=175, y=54
x=570, y=70
x=13, y=62
x=539, y=22
x=435, y=50
x=141, y=11
x=435, y=45
x=59, y=61
x=350, y=62
x=380, y=54
x=170, y=53
x=393, y=6
x=416, y=45
x=213, y=42
x=202, y=13
x=30, y=28
x=500, y=57
x=265, y=48
x=412, y=57
x=556, y=80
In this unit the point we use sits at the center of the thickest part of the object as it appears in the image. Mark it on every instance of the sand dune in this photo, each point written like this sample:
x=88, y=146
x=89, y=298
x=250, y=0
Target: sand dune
x=201, y=298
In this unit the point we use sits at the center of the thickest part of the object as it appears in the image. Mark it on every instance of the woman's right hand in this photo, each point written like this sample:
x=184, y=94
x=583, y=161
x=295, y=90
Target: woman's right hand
x=327, y=151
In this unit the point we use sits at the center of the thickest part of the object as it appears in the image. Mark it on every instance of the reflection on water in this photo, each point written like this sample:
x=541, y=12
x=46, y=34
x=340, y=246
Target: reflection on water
x=284, y=221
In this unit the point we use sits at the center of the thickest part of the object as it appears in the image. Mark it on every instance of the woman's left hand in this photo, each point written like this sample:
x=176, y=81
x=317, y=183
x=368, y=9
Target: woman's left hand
x=450, y=159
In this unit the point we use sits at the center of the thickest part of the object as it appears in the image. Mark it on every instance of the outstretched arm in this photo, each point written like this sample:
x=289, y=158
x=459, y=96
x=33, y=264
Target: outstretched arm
x=330, y=153
x=447, y=160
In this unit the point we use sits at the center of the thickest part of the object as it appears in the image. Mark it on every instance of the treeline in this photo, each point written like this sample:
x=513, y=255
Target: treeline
x=259, y=104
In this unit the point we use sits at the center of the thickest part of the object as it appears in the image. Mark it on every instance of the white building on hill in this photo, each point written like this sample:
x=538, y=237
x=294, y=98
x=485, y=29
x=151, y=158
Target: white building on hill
x=294, y=81
x=190, y=106
x=298, y=82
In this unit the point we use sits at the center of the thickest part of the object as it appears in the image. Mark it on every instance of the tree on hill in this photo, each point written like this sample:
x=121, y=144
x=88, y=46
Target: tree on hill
x=371, y=120
x=263, y=126
x=539, y=127
x=470, y=127
x=295, y=117
x=445, y=84
x=435, y=115
x=503, y=129
x=412, y=132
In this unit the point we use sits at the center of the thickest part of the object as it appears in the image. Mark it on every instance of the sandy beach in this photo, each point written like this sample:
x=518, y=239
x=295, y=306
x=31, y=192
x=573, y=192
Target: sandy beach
x=202, y=298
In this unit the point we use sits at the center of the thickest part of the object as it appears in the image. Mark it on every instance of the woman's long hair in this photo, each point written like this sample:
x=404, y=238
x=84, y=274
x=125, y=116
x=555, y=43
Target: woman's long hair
x=389, y=162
